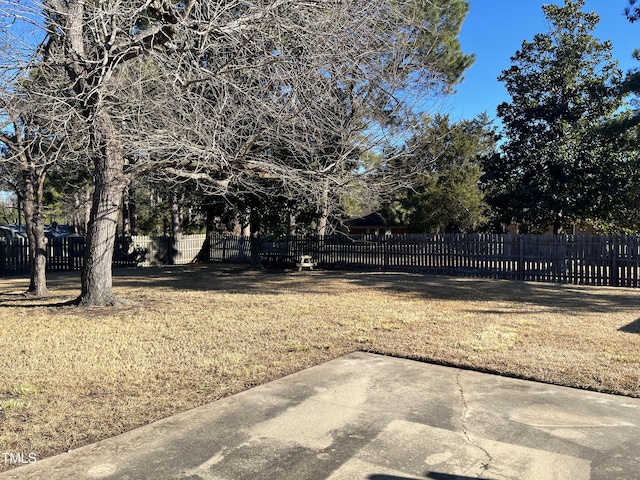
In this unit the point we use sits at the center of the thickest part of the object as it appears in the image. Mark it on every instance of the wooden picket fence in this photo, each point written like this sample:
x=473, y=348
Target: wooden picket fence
x=63, y=254
x=605, y=260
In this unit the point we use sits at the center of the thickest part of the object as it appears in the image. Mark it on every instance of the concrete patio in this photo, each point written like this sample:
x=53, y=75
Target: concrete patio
x=366, y=416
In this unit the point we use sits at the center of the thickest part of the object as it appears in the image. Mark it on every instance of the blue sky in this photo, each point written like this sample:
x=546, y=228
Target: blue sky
x=495, y=29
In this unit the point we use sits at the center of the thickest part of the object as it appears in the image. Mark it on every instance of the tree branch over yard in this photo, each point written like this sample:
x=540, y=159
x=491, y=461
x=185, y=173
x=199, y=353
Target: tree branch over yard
x=32, y=145
x=230, y=94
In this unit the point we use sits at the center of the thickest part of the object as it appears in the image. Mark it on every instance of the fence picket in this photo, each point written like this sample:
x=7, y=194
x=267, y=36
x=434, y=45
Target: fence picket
x=579, y=259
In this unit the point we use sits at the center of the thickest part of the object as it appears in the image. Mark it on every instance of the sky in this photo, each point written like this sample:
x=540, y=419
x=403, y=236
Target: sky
x=495, y=29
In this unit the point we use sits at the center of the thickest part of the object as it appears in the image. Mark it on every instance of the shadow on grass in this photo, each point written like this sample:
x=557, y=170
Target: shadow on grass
x=446, y=476
x=20, y=301
x=633, y=327
x=25, y=301
x=431, y=475
x=239, y=278
x=387, y=477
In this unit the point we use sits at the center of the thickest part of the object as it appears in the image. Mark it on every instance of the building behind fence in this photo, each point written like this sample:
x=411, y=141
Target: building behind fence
x=607, y=260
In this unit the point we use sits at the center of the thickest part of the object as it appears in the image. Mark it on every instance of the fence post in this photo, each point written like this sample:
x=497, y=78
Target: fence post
x=224, y=248
x=615, y=277
x=3, y=257
x=521, y=259
x=385, y=245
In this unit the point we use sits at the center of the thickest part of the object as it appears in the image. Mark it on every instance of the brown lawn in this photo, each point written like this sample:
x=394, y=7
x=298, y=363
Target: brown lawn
x=197, y=333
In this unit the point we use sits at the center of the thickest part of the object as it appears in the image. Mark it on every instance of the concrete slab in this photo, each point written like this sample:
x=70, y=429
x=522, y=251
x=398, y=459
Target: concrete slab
x=371, y=417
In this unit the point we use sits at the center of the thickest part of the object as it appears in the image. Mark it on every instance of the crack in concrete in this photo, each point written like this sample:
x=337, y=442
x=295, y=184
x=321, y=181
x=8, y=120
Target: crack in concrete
x=465, y=409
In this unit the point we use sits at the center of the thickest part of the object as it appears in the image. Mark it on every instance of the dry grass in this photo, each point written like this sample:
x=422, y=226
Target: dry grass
x=198, y=333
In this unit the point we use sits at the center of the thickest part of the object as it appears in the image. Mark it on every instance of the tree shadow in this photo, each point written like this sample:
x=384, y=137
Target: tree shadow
x=447, y=476
x=22, y=300
x=387, y=477
x=209, y=277
x=431, y=475
x=554, y=297
x=240, y=278
x=633, y=327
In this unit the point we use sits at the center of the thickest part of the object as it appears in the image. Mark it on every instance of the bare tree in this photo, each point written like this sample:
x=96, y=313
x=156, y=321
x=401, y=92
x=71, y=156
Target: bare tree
x=214, y=92
x=22, y=151
x=30, y=151
x=31, y=114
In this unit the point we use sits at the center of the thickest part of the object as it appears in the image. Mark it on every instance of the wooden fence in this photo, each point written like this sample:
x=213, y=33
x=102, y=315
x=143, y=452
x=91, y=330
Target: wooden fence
x=605, y=260
x=583, y=259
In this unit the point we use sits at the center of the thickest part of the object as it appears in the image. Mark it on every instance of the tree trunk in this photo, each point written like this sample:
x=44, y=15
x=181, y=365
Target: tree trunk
x=324, y=210
x=246, y=223
x=131, y=207
x=87, y=209
x=245, y=233
x=75, y=217
x=34, y=220
x=176, y=217
x=129, y=216
x=557, y=224
x=97, y=281
x=255, y=241
x=291, y=230
x=108, y=165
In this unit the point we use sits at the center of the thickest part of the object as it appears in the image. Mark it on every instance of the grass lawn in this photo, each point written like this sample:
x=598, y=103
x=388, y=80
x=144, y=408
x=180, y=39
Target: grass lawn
x=197, y=333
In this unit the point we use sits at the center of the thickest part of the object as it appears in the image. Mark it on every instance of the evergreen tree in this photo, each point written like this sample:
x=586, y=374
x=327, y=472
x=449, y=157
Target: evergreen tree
x=557, y=167
x=448, y=195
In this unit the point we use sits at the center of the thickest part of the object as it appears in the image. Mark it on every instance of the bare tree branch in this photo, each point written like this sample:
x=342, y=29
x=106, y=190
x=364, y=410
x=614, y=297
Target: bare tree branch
x=262, y=96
